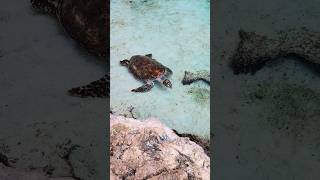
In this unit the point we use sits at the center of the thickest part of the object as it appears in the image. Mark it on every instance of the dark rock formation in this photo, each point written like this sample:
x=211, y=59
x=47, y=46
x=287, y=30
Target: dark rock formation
x=254, y=49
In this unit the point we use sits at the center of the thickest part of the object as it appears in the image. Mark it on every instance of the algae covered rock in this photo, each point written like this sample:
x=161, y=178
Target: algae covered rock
x=255, y=50
x=190, y=77
x=150, y=150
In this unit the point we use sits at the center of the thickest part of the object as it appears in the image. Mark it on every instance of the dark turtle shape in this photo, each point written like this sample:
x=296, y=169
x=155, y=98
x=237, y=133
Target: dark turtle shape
x=87, y=22
x=147, y=70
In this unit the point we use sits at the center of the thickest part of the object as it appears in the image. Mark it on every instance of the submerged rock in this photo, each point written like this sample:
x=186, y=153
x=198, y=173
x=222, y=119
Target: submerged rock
x=150, y=150
x=254, y=49
x=204, y=143
x=190, y=77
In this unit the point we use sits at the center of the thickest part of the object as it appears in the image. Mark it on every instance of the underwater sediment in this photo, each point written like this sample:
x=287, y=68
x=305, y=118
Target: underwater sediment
x=149, y=149
x=289, y=108
x=177, y=34
x=255, y=50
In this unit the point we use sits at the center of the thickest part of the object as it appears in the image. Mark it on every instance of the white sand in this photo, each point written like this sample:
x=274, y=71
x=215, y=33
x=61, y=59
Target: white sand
x=177, y=33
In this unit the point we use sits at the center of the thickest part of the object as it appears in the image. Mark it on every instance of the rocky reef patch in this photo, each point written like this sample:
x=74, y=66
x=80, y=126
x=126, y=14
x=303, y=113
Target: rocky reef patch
x=150, y=150
x=190, y=77
x=255, y=50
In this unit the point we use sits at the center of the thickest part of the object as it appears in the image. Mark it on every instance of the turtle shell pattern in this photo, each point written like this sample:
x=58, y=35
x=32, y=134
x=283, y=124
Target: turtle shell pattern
x=146, y=68
x=87, y=22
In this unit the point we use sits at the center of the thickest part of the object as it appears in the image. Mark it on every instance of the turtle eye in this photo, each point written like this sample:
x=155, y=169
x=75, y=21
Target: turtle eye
x=167, y=83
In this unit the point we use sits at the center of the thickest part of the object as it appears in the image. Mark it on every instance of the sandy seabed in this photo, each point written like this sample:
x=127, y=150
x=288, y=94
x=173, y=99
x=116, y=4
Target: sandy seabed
x=177, y=33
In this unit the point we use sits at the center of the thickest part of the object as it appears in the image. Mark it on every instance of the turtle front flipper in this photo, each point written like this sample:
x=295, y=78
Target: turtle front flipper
x=144, y=88
x=168, y=72
x=99, y=88
x=46, y=6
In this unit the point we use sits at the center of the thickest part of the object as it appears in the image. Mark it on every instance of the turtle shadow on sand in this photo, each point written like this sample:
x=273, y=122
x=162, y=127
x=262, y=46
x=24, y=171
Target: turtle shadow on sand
x=200, y=95
x=148, y=70
x=87, y=22
x=290, y=109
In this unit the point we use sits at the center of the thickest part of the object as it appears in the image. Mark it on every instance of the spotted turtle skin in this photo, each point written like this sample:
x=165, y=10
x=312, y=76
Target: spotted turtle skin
x=87, y=22
x=148, y=70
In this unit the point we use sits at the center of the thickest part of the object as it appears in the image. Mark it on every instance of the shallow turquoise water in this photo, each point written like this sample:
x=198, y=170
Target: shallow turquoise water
x=177, y=33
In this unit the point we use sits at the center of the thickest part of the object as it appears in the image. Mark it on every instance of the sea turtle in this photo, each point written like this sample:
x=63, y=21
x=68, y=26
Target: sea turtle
x=87, y=22
x=148, y=70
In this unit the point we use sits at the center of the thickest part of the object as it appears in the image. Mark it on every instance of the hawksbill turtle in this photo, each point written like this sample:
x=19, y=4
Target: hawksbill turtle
x=148, y=70
x=87, y=23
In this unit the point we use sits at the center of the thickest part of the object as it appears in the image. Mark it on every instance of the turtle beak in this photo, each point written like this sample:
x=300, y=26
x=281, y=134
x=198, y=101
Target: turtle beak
x=124, y=62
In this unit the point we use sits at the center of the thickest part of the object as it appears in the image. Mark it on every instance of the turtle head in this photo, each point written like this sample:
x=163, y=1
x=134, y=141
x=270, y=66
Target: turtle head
x=125, y=62
x=167, y=83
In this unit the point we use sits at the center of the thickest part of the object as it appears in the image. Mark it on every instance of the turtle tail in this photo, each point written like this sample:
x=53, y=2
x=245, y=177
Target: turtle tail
x=98, y=88
x=46, y=6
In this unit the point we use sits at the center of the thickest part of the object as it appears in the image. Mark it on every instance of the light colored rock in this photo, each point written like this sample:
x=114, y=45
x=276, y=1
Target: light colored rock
x=150, y=150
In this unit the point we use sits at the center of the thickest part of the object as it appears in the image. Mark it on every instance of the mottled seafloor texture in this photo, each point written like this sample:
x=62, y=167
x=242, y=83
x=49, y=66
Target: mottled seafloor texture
x=268, y=123
x=177, y=33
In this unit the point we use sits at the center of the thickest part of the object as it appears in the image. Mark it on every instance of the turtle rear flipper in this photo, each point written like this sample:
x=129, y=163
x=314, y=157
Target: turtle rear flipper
x=144, y=88
x=99, y=88
x=46, y=6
